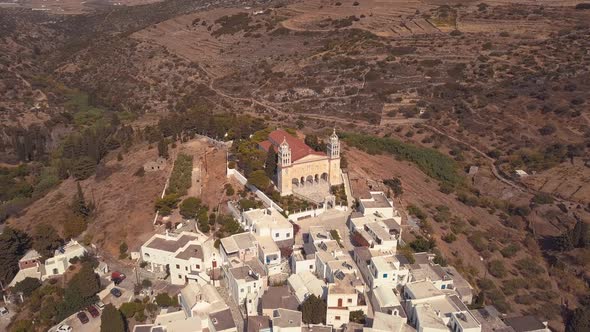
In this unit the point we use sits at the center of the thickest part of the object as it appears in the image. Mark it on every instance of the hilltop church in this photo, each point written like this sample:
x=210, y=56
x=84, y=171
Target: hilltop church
x=301, y=169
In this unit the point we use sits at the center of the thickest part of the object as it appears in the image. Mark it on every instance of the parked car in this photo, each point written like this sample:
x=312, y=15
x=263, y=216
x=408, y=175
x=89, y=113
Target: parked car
x=83, y=317
x=64, y=328
x=117, y=277
x=100, y=305
x=116, y=292
x=93, y=311
x=3, y=311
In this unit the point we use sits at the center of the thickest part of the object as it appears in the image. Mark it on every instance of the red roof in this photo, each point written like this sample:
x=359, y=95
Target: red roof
x=298, y=148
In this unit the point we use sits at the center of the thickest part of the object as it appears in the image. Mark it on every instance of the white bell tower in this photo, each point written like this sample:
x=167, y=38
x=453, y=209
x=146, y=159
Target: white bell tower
x=334, y=146
x=284, y=154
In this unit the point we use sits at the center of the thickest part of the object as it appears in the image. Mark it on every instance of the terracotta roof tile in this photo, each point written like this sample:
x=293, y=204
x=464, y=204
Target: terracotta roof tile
x=298, y=147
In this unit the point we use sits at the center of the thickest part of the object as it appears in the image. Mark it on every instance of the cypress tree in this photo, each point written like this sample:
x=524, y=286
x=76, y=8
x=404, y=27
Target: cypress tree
x=163, y=149
x=79, y=205
x=111, y=320
x=270, y=165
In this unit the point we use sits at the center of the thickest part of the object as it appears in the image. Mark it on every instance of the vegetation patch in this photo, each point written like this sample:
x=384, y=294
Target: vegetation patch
x=429, y=161
x=180, y=180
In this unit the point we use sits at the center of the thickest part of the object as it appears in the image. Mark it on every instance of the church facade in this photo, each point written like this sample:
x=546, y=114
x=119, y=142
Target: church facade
x=300, y=167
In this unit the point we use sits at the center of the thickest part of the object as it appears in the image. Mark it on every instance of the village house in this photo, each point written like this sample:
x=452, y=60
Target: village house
x=344, y=296
x=285, y=320
x=202, y=309
x=303, y=259
x=269, y=254
x=238, y=247
x=305, y=284
x=388, y=323
x=270, y=223
x=188, y=256
x=258, y=324
x=246, y=284
x=431, y=309
x=277, y=297
x=447, y=279
x=59, y=263
x=378, y=222
x=379, y=205
x=386, y=300
x=386, y=270
x=30, y=265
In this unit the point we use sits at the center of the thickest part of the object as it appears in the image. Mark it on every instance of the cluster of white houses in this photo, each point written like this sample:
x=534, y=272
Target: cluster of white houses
x=399, y=293
x=31, y=265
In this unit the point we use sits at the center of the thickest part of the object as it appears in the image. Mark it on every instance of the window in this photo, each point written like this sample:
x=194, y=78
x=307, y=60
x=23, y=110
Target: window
x=276, y=234
x=337, y=318
x=241, y=290
x=349, y=300
x=443, y=286
x=198, y=266
x=179, y=276
x=384, y=275
x=311, y=267
x=288, y=234
x=177, y=266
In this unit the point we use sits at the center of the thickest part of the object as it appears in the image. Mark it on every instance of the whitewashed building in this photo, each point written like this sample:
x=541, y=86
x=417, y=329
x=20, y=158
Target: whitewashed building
x=344, y=296
x=189, y=256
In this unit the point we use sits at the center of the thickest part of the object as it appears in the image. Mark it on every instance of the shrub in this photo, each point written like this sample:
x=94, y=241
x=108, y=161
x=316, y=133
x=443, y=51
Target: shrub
x=449, y=238
x=510, y=250
x=529, y=267
x=165, y=300
x=486, y=284
x=497, y=268
x=543, y=198
x=417, y=212
x=421, y=244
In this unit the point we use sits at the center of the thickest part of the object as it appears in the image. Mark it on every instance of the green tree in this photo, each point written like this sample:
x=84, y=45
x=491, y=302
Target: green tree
x=123, y=247
x=13, y=245
x=313, y=310
x=165, y=300
x=80, y=292
x=229, y=190
x=130, y=309
x=420, y=244
x=163, y=149
x=46, y=240
x=189, y=207
x=111, y=320
x=166, y=204
x=27, y=286
x=79, y=206
x=259, y=180
x=396, y=186
x=146, y=283
x=357, y=316
x=581, y=235
x=270, y=165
